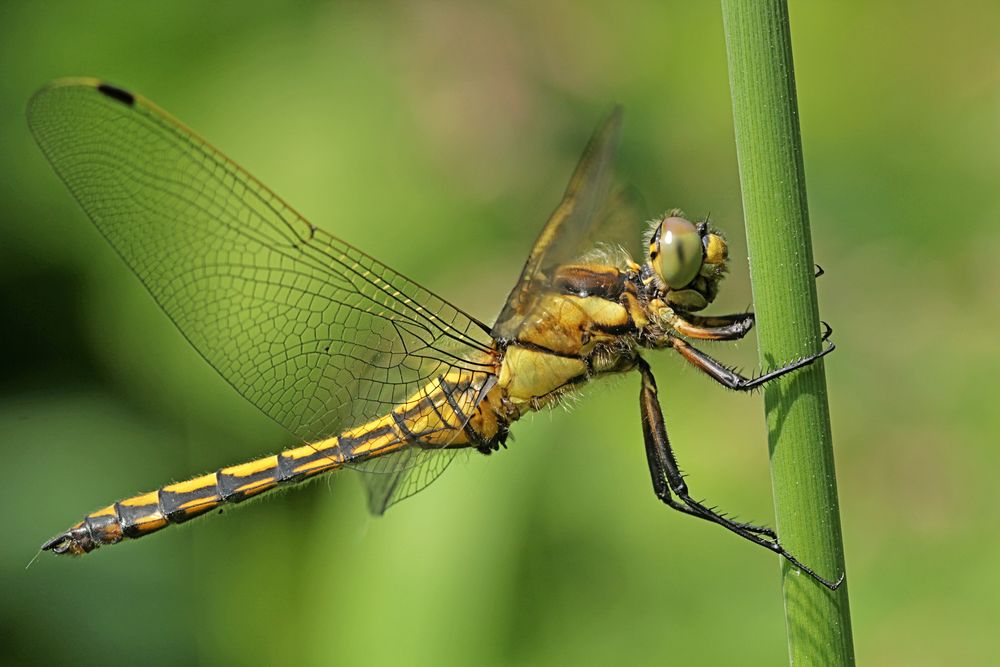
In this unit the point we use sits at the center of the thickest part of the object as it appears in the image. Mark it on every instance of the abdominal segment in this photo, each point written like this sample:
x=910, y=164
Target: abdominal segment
x=454, y=410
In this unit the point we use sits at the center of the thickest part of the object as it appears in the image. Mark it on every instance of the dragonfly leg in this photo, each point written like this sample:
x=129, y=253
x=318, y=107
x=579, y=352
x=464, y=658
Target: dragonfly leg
x=730, y=378
x=663, y=469
x=719, y=327
x=668, y=481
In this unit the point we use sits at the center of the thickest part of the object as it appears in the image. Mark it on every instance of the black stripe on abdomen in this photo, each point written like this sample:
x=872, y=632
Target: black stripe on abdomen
x=180, y=507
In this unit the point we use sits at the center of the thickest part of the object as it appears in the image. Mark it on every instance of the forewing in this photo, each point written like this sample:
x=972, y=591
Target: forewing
x=318, y=335
x=592, y=210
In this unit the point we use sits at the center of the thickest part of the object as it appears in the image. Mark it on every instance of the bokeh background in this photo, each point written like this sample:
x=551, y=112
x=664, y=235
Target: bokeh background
x=439, y=136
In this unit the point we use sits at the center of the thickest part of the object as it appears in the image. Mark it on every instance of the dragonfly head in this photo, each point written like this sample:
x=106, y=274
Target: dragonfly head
x=687, y=260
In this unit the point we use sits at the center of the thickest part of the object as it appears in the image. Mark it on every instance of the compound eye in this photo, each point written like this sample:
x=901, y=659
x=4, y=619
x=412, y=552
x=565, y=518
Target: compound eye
x=679, y=252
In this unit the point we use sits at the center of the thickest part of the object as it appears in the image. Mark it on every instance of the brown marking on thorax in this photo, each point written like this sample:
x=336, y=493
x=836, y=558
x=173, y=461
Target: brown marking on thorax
x=583, y=326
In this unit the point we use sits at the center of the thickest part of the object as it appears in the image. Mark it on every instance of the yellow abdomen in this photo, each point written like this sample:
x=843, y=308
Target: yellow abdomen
x=459, y=409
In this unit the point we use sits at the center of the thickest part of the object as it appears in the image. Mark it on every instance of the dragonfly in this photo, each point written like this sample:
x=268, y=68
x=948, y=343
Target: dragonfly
x=367, y=369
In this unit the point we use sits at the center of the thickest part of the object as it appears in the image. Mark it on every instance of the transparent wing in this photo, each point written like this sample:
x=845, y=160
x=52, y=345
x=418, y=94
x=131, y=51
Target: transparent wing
x=318, y=335
x=411, y=470
x=393, y=477
x=593, y=209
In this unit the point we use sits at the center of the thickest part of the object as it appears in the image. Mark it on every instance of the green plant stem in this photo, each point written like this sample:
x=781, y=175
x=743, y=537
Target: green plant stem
x=769, y=150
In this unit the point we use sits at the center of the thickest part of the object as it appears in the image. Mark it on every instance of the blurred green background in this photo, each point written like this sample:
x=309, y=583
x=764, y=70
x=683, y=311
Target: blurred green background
x=439, y=136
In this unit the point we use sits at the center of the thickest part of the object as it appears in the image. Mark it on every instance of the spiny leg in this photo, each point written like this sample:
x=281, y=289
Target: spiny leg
x=718, y=327
x=663, y=469
x=667, y=478
x=730, y=378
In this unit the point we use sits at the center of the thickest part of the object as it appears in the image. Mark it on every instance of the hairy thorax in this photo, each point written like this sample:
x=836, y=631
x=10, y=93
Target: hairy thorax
x=585, y=326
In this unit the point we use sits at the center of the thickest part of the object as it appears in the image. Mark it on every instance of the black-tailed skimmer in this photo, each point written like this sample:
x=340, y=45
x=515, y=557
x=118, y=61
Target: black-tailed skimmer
x=368, y=369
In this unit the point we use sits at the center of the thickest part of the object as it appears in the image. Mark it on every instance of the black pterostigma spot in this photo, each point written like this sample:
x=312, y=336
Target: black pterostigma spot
x=116, y=93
